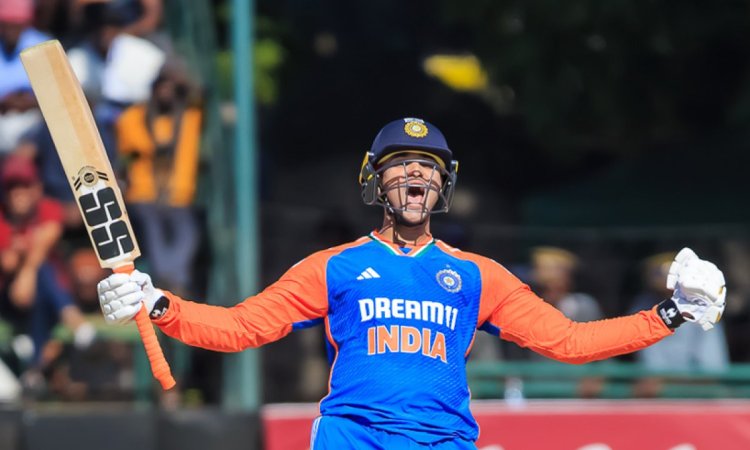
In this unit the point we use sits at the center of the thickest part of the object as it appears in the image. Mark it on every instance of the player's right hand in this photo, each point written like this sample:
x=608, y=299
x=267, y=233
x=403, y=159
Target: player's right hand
x=122, y=295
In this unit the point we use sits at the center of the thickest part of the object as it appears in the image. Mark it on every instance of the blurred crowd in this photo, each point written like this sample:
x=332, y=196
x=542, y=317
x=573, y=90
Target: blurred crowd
x=149, y=115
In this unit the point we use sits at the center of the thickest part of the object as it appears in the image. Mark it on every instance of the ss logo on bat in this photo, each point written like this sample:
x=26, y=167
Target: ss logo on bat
x=102, y=213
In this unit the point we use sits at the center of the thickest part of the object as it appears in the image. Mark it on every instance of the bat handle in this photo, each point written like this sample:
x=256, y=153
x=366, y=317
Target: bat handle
x=159, y=365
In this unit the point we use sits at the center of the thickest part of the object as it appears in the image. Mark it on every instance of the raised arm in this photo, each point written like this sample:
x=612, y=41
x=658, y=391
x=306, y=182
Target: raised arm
x=266, y=317
x=518, y=315
x=511, y=310
x=529, y=321
x=300, y=295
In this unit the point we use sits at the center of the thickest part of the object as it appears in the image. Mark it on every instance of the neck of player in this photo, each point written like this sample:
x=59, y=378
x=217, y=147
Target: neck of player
x=403, y=234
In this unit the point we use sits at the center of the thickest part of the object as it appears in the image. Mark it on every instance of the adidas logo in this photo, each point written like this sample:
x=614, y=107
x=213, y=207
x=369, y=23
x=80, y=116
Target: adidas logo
x=368, y=274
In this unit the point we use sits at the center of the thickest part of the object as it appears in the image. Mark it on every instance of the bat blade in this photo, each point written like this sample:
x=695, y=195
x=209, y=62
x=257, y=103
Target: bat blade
x=89, y=173
x=82, y=153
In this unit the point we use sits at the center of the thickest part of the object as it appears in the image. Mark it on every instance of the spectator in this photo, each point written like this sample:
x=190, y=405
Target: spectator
x=685, y=350
x=38, y=146
x=67, y=18
x=159, y=141
x=553, y=271
x=116, y=69
x=30, y=225
x=18, y=109
x=54, y=17
x=736, y=253
x=142, y=17
x=104, y=370
x=85, y=272
x=89, y=57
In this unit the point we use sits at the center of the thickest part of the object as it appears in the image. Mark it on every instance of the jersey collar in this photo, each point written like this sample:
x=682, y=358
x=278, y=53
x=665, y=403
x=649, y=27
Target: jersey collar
x=393, y=248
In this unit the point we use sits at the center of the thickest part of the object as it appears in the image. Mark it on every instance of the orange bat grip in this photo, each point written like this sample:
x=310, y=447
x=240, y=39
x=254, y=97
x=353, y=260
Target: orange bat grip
x=159, y=366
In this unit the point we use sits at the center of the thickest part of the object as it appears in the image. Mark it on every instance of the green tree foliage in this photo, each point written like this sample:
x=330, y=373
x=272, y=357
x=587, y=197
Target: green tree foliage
x=613, y=76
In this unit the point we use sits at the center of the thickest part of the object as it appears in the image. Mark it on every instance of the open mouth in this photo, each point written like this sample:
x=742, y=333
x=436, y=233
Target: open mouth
x=415, y=195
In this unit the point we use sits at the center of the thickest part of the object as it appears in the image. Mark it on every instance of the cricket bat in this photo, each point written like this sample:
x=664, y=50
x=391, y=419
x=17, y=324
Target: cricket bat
x=90, y=175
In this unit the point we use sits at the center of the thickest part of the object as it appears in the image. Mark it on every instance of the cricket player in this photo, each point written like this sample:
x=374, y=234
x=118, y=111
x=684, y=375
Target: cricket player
x=401, y=309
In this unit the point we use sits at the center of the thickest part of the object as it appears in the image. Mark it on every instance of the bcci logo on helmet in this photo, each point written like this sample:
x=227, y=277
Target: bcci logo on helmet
x=415, y=128
x=449, y=280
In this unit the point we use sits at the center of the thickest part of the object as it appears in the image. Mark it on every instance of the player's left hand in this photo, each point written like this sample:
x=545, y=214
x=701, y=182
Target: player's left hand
x=699, y=288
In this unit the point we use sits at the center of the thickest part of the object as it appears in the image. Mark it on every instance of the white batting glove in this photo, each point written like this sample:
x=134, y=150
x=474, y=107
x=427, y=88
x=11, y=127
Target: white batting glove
x=122, y=295
x=699, y=288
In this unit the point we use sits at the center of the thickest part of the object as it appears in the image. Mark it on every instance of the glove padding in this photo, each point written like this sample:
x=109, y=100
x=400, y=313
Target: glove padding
x=122, y=295
x=699, y=288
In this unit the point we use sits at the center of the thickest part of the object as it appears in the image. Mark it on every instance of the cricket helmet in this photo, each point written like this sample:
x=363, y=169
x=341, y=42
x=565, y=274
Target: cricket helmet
x=408, y=135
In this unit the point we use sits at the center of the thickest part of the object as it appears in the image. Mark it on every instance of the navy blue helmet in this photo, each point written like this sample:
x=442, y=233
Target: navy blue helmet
x=414, y=136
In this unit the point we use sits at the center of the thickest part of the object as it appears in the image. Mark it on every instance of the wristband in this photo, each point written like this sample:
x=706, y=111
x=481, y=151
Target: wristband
x=670, y=314
x=160, y=307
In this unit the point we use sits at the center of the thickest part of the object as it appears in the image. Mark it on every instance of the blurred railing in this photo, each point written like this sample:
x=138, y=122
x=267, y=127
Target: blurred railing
x=515, y=381
x=192, y=27
x=612, y=380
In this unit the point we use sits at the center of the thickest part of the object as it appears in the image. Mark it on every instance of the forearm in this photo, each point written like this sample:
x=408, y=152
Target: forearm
x=9, y=261
x=544, y=329
x=43, y=239
x=256, y=321
x=584, y=342
x=298, y=297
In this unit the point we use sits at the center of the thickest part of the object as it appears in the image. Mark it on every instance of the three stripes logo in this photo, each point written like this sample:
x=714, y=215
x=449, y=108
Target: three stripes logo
x=368, y=274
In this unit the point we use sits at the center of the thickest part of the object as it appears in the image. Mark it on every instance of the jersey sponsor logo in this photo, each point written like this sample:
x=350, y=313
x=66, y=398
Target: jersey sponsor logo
x=403, y=338
x=398, y=308
x=449, y=280
x=368, y=274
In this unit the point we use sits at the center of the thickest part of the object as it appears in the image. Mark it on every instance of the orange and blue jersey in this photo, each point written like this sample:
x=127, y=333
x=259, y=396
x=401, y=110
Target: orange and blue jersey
x=400, y=323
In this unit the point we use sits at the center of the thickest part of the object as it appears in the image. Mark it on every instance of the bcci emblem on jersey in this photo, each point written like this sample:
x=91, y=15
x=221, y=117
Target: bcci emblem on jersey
x=449, y=280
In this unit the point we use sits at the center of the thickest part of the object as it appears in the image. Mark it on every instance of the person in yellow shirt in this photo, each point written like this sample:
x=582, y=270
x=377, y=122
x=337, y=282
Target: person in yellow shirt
x=158, y=143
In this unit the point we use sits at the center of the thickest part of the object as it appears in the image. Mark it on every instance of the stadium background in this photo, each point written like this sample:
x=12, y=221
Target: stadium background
x=616, y=130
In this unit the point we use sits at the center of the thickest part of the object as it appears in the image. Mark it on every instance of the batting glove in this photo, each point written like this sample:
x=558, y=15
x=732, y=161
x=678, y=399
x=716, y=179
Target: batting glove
x=699, y=289
x=122, y=295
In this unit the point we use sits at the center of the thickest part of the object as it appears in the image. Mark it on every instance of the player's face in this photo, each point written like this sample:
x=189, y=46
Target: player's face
x=412, y=184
